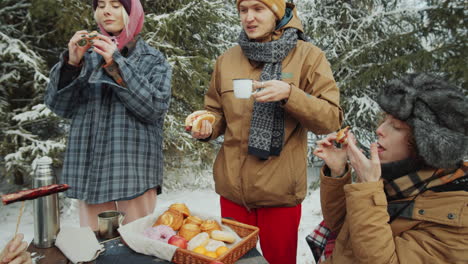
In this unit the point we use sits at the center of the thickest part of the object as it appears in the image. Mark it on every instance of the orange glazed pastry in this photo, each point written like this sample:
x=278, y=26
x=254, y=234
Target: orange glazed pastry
x=170, y=218
x=209, y=225
x=193, y=220
x=181, y=207
x=188, y=231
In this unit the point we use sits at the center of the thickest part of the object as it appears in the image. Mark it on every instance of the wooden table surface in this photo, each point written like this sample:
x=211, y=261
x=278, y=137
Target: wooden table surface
x=117, y=253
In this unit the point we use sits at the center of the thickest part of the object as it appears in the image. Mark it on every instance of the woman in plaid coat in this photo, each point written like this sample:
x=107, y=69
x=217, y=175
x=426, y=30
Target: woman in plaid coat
x=115, y=88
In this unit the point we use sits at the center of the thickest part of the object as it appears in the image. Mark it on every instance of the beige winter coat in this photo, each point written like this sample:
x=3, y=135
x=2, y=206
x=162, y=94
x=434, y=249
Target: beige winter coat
x=313, y=105
x=434, y=231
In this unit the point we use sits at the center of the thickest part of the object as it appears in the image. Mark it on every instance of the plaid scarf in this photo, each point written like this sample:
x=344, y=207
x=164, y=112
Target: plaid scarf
x=267, y=124
x=416, y=182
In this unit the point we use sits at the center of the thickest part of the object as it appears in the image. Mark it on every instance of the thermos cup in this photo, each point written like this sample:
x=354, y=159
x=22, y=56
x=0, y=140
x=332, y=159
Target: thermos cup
x=45, y=209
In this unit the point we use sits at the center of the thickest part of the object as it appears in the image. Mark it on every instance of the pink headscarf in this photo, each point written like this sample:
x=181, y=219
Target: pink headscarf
x=135, y=24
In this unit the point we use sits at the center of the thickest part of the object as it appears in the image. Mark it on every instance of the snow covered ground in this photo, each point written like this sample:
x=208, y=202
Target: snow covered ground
x=204, y=200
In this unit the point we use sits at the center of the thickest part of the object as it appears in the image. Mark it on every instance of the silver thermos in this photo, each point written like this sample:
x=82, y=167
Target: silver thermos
x=46, y=208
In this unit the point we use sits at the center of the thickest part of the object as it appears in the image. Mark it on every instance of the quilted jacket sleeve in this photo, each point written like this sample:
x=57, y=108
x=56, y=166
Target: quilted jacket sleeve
x=316, y=104
x=213, y=103
x=332, y=199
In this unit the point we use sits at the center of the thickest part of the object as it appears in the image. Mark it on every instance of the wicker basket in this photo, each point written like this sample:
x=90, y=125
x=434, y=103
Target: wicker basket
x=248, y=233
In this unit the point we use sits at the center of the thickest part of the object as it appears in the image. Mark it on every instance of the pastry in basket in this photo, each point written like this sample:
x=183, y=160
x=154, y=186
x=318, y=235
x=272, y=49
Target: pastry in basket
x=199, y=240
x=171, y=218
x=225, y=236
x=193, y=220
x=160, y=233
x=209, y=225
x=214, y=244
x=188, y=231
x=181, y=207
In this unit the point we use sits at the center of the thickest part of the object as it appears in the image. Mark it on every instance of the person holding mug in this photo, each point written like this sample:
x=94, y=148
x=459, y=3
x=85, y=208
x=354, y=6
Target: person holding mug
x=260, y=171
x=409, y=203
x=116, y=90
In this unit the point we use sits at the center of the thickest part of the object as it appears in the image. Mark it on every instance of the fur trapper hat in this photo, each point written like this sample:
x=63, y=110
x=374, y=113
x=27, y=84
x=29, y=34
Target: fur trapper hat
x=437, y=113
x=277, y=6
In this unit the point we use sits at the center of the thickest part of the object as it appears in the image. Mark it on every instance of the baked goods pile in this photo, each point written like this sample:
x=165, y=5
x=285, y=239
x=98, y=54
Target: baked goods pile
x=178, y=227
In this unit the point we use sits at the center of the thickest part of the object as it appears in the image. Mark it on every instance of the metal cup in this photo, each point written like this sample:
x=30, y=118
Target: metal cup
x=108, y=222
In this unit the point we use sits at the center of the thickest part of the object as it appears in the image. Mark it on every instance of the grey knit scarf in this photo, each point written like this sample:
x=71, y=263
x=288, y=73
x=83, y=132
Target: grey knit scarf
x=267, y=124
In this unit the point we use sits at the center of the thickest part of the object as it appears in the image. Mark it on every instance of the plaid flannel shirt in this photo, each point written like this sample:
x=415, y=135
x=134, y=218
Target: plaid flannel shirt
x=114, y=148
x=322, y=242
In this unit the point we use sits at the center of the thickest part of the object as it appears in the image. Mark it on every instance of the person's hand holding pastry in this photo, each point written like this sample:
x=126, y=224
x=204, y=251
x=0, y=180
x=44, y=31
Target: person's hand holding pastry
x=77, y=46
x=334, y=156
x=200, y=124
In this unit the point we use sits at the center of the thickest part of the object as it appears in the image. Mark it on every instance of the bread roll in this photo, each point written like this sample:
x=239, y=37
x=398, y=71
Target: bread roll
x=209, y=225
x=193, y=220
x=199, y=240
x=225, y=236
x=214, y=244
x=188, y=231
x=171, y=218
x=181, y=207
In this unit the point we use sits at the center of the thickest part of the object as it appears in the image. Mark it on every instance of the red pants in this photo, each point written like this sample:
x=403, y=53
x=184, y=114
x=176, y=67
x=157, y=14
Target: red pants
x=278, y=228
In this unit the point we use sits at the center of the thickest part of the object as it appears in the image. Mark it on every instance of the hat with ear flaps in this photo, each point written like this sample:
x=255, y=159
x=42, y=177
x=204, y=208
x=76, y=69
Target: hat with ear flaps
x=436, y=111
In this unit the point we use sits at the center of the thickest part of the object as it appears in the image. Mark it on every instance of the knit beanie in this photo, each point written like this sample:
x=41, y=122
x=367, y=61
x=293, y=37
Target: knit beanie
x=126, y=4
x=436, y=111
x=277, y=6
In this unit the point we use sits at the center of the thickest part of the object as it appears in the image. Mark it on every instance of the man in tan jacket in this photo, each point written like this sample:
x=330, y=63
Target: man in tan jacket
x=260, y=170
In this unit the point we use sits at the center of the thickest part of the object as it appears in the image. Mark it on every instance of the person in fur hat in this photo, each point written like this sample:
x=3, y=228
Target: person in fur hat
x=409, y=204
x=116, y=89
x=260, y=172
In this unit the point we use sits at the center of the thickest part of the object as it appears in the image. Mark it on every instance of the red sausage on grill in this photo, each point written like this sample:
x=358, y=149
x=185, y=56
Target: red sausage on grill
x=34, y=193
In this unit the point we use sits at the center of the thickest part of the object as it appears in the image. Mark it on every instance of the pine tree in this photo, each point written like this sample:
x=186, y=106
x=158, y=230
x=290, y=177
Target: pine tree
x=26, y=123
x=369, y=42
x=190, y=33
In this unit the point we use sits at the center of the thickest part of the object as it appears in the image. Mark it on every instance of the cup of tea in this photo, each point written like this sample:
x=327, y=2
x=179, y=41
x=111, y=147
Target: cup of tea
x=243, y=88
x=108, y=222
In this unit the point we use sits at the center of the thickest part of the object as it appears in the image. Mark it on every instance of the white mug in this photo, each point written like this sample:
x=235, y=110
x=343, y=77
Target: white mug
x=243, y=88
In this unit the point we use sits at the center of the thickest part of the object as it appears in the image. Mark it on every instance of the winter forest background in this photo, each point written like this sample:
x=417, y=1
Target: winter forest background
x=366, y=41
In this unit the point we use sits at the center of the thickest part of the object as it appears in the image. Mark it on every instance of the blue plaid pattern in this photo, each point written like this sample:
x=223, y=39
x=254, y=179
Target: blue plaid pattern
x=114, y=148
